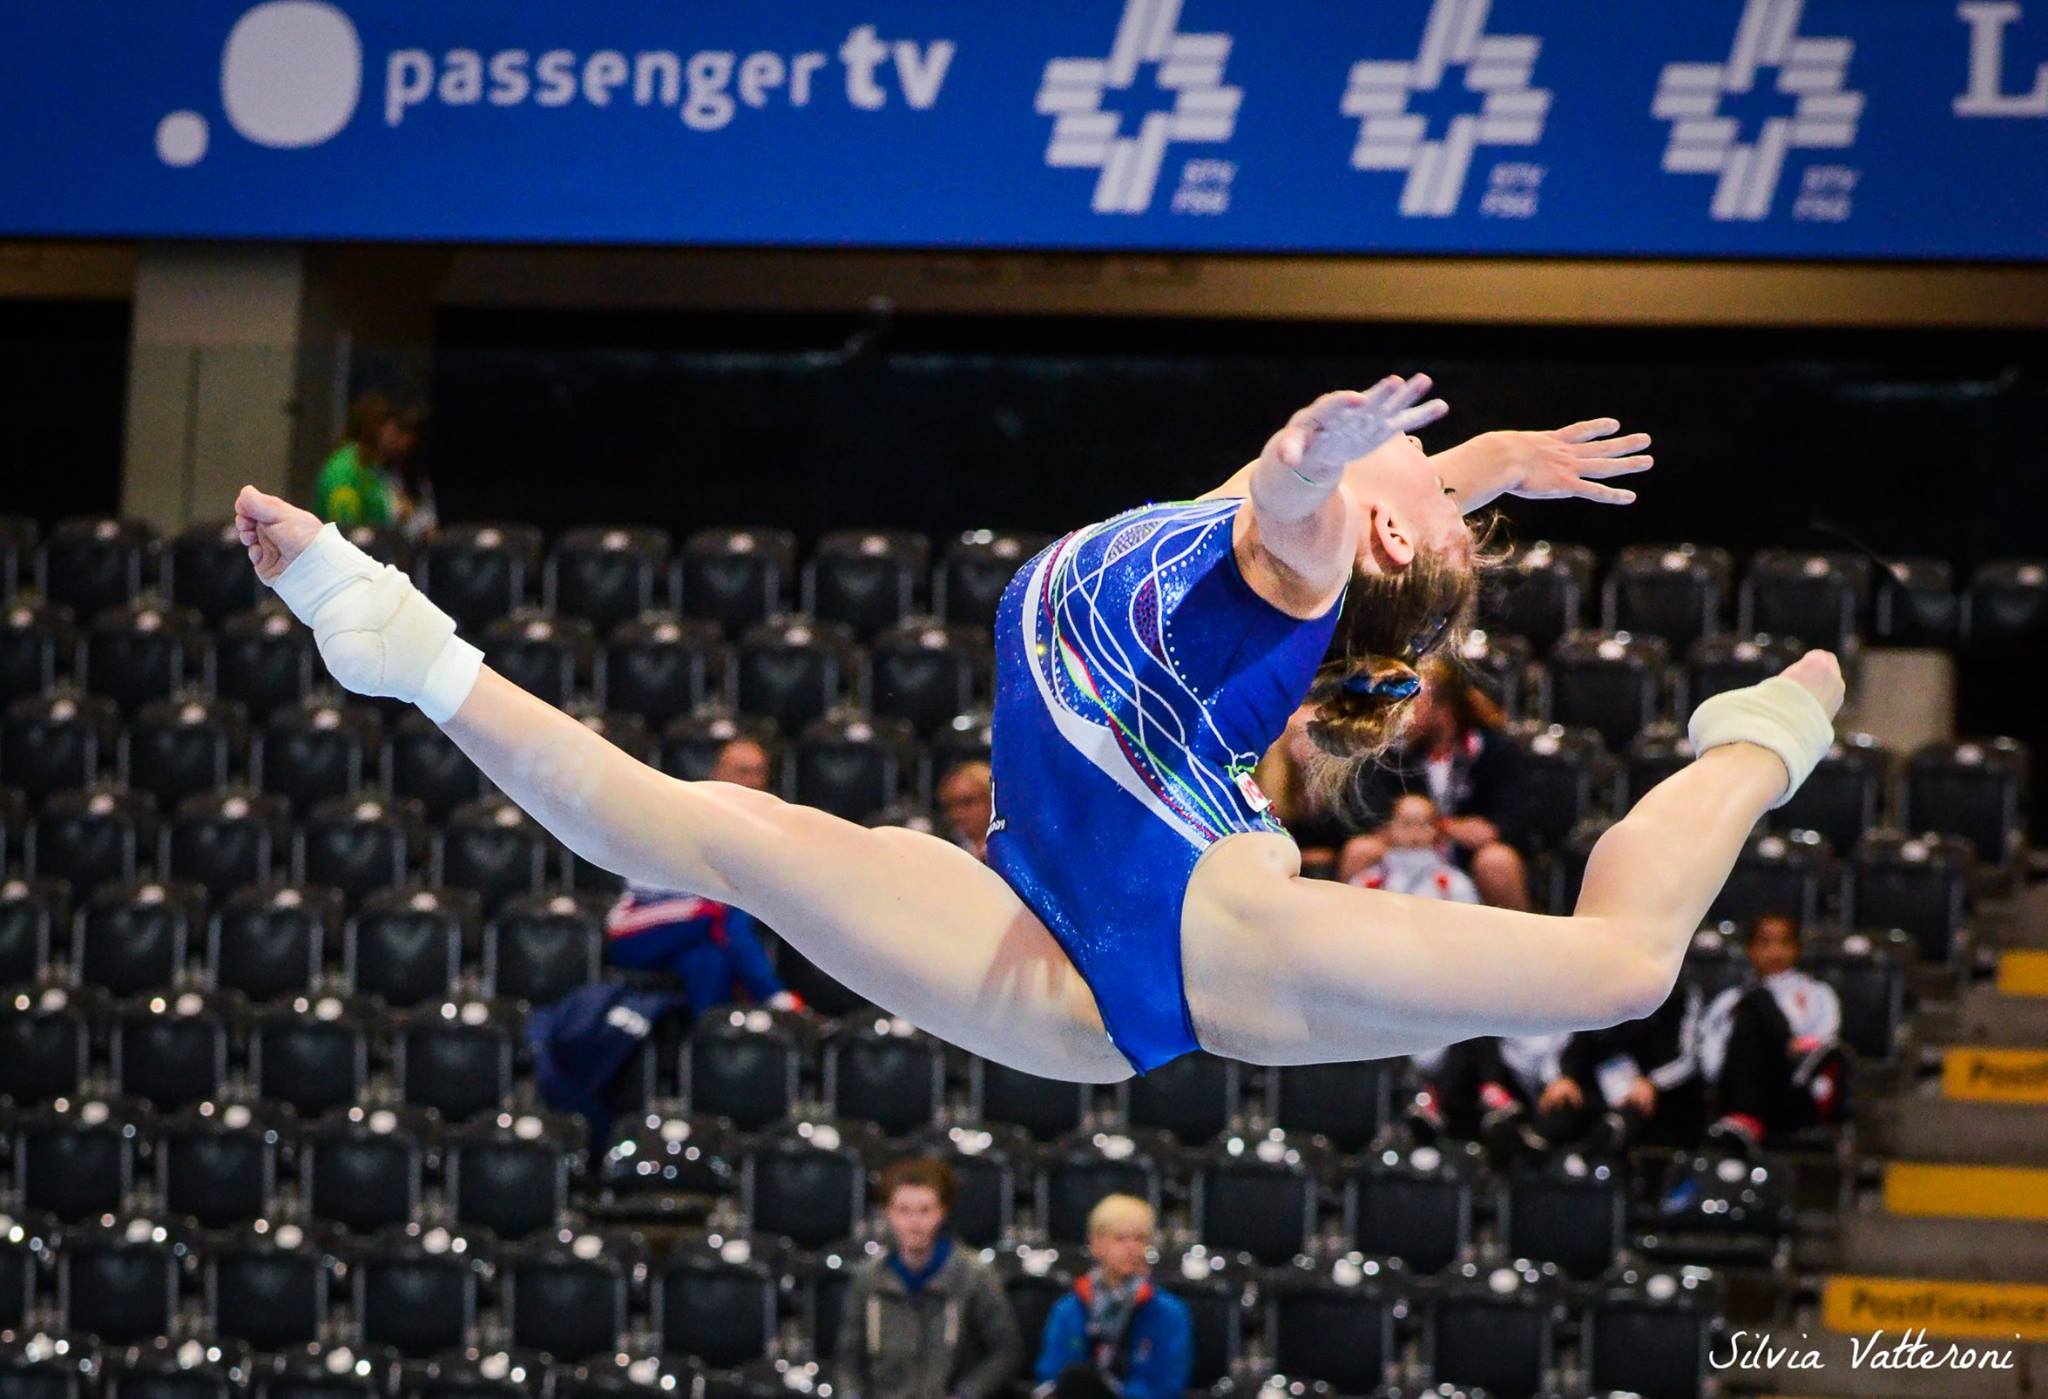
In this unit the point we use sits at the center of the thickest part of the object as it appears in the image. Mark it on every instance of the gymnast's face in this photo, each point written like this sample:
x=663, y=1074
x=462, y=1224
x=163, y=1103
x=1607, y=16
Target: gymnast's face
x=1402, y=505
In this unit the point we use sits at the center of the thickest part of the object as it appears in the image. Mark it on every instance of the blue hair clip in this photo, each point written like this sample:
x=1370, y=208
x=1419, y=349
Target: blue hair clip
x=1398, y=686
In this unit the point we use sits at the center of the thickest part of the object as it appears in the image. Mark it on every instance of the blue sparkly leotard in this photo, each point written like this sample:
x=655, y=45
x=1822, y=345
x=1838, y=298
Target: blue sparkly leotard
x=1138, y=681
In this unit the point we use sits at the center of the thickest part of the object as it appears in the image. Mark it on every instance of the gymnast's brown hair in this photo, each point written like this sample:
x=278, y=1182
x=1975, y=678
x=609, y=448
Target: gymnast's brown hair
x=1390, y=624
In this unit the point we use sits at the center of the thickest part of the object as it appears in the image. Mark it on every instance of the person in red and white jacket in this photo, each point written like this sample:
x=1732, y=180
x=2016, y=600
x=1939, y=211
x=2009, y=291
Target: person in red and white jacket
x=1417, y=858
x=1770, y=1047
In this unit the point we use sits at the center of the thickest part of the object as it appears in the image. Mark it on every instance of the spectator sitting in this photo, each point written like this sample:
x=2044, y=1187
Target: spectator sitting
x=1117, y=1333
x=1448, y=752
x=925, y=1320
x=965, y=802
x=1415, y=857
x=714, y=948
x=1770, y=1046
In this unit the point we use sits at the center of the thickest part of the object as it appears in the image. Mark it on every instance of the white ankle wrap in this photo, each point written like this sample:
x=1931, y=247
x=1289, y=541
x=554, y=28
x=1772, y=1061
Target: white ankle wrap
x=378, y=634
x=1778, y=714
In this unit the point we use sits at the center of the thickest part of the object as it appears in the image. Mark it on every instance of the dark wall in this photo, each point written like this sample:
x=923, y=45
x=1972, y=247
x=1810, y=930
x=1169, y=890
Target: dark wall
x=1918, y=443
x=63, y=396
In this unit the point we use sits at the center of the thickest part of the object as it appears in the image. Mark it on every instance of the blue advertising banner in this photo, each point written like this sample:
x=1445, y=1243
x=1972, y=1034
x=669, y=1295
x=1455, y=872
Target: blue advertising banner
x=1911, y=129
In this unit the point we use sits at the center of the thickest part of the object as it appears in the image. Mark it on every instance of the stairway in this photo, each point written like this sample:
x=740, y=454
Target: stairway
x=1952, y=1236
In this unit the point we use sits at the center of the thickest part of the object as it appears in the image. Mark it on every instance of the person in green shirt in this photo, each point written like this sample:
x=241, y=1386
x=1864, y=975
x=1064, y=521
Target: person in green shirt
x=359, y=482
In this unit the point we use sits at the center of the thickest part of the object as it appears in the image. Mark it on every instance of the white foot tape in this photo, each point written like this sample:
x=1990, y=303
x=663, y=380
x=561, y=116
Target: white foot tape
x=378, y=634
x=1778, y=714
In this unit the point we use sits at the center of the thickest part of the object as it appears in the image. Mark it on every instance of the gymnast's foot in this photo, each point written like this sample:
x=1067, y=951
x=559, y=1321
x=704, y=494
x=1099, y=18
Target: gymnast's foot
x=1820, y=675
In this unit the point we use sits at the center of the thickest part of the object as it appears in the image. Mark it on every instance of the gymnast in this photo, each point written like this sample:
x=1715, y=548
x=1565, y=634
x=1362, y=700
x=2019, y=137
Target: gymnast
x=1139, y=901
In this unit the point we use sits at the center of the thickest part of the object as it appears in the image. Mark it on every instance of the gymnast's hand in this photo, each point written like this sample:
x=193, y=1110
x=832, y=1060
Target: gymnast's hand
x=273, y=531
x=1570, y=461
x=1339, y=428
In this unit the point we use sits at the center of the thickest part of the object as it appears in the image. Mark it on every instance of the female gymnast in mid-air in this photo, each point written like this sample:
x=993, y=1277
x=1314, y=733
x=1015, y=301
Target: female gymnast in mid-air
x=1139, y=903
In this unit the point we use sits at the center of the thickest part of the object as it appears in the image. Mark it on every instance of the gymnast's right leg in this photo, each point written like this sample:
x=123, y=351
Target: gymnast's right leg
x=1285, y=970
x=911, y=922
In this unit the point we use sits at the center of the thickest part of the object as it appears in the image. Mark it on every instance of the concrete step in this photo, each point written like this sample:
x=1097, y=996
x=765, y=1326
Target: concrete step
x=2023, y=972
x=1925, y=1127
x=2024, y=922
x=1986, y=1015
x=1995, y=1074
x=1972, y=1250
x=1939, y=1190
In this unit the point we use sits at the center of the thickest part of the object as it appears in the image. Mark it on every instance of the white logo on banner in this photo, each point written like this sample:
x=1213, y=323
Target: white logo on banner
x=1813, y=71
x=1390, y=137
x=1188, y=65
x=1987, y=97
x=290, y=76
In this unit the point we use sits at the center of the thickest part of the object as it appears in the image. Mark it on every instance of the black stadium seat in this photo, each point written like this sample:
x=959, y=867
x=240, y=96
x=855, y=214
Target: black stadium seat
x=1717, y=663
x=1192, y=1098
x=1677, y=591
x=661, y=667
x=405, y=946
x=978, y=565
x=1572, y=1213
x=1816, y=597
x=880, y=1069
x=142, y=651
x=607, y=574
x=265, y=661
x=1917, y=604
x=851, y=764
x=171, y=1050
x=311, y=1053
x=1784, y=874
x=1610, y=682
x=1540, y=593
x=510, y=1176
x=1257, y=1194
x=1918, y=883
x=477, y=573
x=1494, y=1329
x=269, y=940
x=867, y=579
x=925, y=672
x=175, y=749
x=45, y=1043
x=219, y=1166
x=37, y=644
x=540, y=947
x=1334, y=1321
x=492, y=848
x=807, y=1180
x=206, y=568
x=132, y=937
x=30, y=912
x=746, y=1065
x=76, y=1159
x=456, y=1059
x=320, y=748
x=713, y=1303
x=1080, y=1169
x=567, y=1303
x=736, y=577
x=359, y=844
x=792, y=669
x=1844, y=794
x=116, y=1287
x=1417, y=1208
x=547, y=656
x=89, y=565
x=91, y=836
x=271, y=1289
x=1976, y=789
x=58, y=740
x=417, y=1297
x=1346, y=1102
x=1047, y=1108
x=1557, y=778
x=363, y=1171
x=1649, y=1332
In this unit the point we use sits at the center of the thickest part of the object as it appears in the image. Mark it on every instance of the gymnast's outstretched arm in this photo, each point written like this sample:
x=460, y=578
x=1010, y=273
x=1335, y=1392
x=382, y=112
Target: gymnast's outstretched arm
x=1568, y=461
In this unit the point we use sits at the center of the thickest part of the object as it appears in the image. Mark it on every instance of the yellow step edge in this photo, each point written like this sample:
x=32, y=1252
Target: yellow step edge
x=1974, y=1192
x=1995, y=1075
x=1997, y=1312
x=2023, y=974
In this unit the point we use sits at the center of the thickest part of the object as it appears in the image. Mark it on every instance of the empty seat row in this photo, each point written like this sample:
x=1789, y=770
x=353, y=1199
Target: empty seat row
x=1682, y=592
x=867, y=579
x=789, y=667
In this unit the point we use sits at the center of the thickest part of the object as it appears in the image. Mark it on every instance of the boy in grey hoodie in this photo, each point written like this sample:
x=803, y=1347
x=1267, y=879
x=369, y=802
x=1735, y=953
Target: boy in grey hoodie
x=926, y=1320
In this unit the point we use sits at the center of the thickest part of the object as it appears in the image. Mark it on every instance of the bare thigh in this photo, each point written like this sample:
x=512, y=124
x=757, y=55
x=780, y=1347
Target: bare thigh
x=916, y=925
x=1284, y=970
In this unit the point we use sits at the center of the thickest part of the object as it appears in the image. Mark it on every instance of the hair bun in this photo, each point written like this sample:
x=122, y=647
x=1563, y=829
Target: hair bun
x=1360, y=706
x=1381, y=677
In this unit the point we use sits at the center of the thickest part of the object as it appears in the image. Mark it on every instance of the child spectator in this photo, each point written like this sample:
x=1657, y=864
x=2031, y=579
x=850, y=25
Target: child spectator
x=1116, y=1333
x=1416, y=856
x=1770, y=1046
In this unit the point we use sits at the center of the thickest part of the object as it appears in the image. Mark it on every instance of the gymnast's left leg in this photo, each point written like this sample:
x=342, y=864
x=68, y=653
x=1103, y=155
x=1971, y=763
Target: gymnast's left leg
x=1284, y=970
